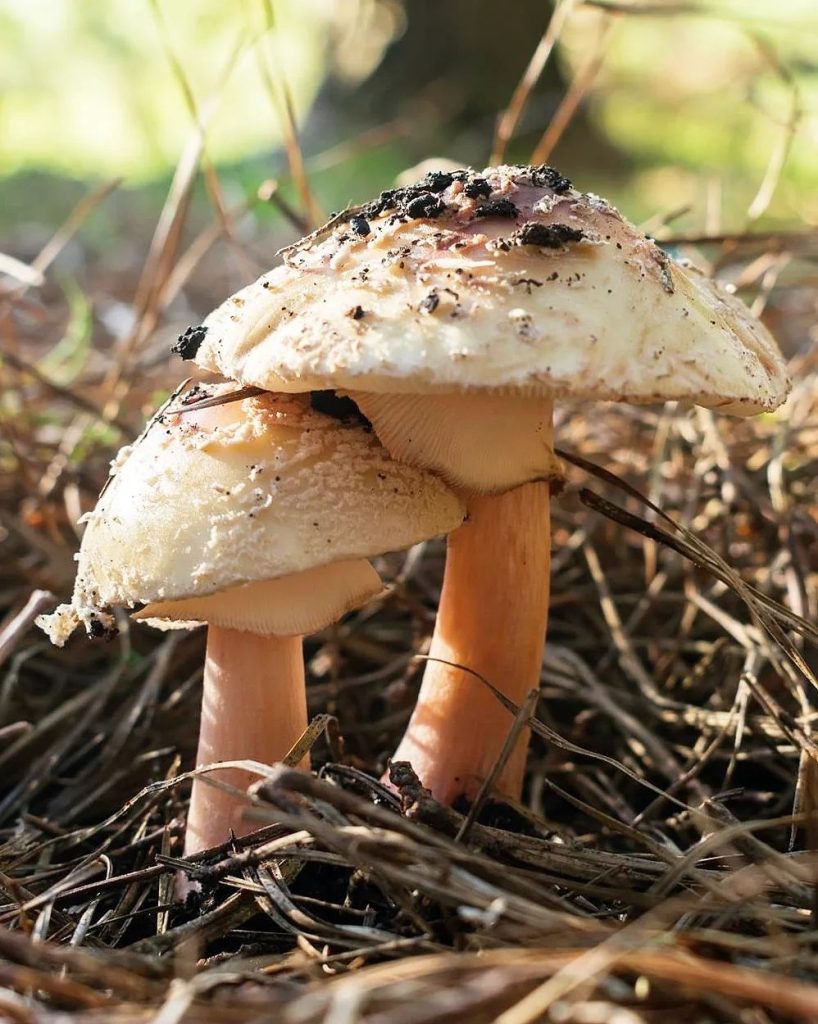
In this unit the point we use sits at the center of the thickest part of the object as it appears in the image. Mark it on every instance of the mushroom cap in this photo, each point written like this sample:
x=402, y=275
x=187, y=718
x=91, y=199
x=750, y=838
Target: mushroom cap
x=244, y=493
x=506, y=279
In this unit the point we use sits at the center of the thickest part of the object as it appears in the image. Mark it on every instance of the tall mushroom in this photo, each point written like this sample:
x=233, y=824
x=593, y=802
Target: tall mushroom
x=256, y=517
x=454, y=312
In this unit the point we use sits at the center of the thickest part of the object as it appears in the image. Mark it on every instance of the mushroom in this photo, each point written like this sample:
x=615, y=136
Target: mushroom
x=454, y=313
x=255, y=517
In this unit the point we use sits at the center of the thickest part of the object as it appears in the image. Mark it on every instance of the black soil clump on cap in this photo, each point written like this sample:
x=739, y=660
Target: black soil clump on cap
x=427, y=204
x=423, y=198
x=549, y=177
x=360, y=225
x=396, y=200
x=497, y=208
x=418, y=200
x=547, y=236
x=437, y=181
x=477, y=188
x=330, y=403
x=189, y=343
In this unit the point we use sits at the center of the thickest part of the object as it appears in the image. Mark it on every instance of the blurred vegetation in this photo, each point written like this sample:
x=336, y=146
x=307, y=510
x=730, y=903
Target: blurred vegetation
x=98, y=87
x=687, y=105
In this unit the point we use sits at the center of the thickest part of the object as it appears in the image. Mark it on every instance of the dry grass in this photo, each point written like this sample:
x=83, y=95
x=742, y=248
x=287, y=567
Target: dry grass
x=664, y=862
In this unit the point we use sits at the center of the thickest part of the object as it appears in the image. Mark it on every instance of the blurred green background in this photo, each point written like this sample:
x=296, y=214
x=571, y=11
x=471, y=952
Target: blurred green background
x=690, y=116
x=690, y=105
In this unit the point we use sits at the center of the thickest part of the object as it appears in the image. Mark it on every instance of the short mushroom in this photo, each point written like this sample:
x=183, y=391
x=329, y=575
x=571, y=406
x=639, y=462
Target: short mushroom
x=255, y=517
x=479, y=299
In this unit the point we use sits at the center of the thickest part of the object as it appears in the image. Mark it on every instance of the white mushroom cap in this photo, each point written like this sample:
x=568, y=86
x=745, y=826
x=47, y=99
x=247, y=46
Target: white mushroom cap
x=232, y=497
x=504, y=279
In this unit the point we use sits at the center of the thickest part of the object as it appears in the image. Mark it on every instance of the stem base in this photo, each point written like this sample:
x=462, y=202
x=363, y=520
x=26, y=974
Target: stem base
x=253, y=707
x=492, y=620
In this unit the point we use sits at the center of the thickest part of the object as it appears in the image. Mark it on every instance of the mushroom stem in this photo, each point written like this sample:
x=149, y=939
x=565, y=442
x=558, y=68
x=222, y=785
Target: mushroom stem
x=492, y=619
x=254, y=708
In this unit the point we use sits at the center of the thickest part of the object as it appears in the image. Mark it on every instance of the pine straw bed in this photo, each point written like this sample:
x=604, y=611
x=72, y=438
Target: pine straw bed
x=662, y=865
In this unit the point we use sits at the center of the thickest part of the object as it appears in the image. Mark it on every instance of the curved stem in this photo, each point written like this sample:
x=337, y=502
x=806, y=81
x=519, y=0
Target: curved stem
x=253, y=706
x=492, y=618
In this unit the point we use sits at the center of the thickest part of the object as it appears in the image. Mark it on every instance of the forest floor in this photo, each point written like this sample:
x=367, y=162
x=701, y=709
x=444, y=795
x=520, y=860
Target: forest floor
x=663, y=863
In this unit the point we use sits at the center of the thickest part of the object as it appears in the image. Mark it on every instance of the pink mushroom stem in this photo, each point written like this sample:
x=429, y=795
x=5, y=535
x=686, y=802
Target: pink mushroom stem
x=492, y=619
x=253, y=708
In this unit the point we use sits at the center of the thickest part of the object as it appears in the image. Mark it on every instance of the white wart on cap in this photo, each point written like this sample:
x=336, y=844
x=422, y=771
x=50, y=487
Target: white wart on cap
x=255, y=515
x=507, y=280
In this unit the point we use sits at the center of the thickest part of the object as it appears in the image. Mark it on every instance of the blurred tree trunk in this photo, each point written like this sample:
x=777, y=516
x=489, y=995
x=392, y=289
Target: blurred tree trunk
x=455, y=65
x=472, y=52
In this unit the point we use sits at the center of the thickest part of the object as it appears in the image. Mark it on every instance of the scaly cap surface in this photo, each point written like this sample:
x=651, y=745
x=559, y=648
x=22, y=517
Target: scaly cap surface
x=241, y=494
x=504, y=279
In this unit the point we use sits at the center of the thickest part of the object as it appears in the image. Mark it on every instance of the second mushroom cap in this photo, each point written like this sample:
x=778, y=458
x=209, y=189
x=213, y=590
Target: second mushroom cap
x=267, y=489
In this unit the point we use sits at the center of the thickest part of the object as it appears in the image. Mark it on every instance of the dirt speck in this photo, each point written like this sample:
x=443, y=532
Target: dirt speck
x=430, y=303
x=360, y=225
x=189, y=342
x=528, y=282
x=547, y=236
x=497, y=208
x=545, y=176
x=427, y=204
x=477, y=188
